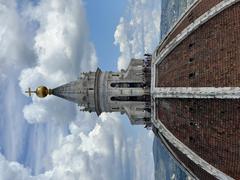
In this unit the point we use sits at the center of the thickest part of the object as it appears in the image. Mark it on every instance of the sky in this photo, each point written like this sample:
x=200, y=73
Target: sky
x=103, y=17
x=50, y=42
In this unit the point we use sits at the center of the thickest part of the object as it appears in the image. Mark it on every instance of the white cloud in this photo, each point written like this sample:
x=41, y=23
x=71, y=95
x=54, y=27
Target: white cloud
x=57, y=52
x=15, y=47
x=20, y=48
x=100, y=154
x=12, y=170
x=138, y=31
x=104, y=153
x=62, y=49
x=15, y=54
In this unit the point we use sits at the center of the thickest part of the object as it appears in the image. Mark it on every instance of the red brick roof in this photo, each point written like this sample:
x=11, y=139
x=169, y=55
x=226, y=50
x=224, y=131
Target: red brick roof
x=184, y=160
x=208, y=57
x=209, y=127
x=195, y=12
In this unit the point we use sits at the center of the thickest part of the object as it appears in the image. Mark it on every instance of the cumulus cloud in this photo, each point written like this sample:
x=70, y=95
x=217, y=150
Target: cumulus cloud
x=12, y=170
x=138, y=31
x=25, y=40
x=15, y=47
x=16, y=53
x=104, y=153
x=100, y=154
x=57, y=49
x=62, y=50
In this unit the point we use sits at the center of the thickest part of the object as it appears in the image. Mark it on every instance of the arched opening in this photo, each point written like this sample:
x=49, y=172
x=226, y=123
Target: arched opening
x=128, y=85
x=115, y=108
x=144, y=98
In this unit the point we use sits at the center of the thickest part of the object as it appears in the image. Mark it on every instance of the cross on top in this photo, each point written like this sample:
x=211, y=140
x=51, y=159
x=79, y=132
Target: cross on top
x=30, y=92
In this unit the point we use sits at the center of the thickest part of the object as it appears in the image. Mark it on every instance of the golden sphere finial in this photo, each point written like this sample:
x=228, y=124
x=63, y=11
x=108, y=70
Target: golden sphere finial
x=41, y=91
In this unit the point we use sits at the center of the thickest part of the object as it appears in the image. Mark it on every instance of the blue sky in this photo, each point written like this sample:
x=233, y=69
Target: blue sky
x=103, y=17
x=49, y=42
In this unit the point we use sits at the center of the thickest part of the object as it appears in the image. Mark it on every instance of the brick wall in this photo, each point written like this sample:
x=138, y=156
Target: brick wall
x=209, y=57
x=201, y=7
x=194, y=168
x=209, y=127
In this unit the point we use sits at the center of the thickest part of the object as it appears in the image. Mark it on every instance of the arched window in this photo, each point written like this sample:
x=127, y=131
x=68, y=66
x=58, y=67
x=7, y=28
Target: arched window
x=115, y=109
x=128, y=85
x=145, y=98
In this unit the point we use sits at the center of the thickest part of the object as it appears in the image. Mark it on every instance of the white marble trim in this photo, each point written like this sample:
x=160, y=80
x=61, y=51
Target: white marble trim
x=194, y=25
x=197, y=92
x=178, y=22
x=189, y=153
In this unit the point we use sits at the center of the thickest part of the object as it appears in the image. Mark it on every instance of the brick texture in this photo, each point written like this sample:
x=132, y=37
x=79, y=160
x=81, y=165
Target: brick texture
x=194, y=168
x=208, y=57
x=209, y=127
x=201, y=7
